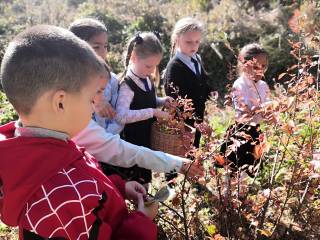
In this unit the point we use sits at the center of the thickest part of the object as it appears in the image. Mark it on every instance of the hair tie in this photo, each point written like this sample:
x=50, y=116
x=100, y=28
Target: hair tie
x=138, y=39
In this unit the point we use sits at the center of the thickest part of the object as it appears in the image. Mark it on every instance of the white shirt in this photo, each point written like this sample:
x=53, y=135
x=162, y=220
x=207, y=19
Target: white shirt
x=187, y=60
x=124, y=114
x=247, y=94
x=109, y=148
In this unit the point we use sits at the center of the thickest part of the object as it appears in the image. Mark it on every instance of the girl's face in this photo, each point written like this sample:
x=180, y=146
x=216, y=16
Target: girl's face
x=144, y=67
x=99, y=43
x=99, y=97
x=255, y=69
x=188, y=43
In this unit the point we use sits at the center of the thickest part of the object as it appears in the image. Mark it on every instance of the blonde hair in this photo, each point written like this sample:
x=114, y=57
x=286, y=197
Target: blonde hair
x=182, y=26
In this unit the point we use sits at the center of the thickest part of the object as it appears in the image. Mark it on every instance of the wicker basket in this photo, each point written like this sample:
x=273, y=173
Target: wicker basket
x=169, y=143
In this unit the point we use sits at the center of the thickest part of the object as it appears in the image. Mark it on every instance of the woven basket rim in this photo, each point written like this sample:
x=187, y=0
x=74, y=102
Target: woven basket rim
x=156, y=125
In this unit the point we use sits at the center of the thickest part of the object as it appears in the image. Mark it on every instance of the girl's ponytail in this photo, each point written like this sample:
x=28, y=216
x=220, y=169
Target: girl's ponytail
x=173, y=49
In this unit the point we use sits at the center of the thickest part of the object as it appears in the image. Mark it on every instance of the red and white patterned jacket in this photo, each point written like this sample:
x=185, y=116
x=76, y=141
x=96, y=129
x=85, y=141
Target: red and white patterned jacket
x=51, y=187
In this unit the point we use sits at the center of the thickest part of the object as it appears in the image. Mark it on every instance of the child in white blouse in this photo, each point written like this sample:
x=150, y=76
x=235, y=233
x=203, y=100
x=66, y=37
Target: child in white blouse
x=137, y=102
x=249, y=94
x=143, y=55
x=249, y=91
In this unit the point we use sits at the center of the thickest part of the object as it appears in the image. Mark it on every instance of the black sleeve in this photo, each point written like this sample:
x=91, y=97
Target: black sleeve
x=174, y=78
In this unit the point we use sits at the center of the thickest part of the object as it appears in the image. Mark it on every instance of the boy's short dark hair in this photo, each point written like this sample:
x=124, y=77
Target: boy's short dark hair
x=44, y=58
x=87, y=28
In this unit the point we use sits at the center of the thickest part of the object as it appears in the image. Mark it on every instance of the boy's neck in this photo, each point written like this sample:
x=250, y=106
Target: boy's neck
x=31, y=131
x=40, y=121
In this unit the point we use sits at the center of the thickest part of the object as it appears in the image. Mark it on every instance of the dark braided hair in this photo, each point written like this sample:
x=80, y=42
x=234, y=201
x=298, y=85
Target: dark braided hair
x=87, y=28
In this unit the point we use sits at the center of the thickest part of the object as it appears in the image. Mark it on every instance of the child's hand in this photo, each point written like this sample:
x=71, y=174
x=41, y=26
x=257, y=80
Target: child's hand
x=134, y=190
x=168, y=101
x=161, y=114
x=151, y=210
x=104, y=109
x=195, y=169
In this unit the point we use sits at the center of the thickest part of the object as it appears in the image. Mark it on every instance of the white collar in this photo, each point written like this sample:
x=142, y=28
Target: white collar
x=38, y=132
x=183, y=56
x=133, y=75
x=248, y=81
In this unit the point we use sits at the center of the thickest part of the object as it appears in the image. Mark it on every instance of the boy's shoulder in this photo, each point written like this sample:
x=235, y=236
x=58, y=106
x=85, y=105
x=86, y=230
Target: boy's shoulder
x=36, y=159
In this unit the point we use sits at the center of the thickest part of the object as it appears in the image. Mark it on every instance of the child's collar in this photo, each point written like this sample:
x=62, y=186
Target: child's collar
x=38, y=132
x=180, y=54
x=248, y=80
x=131, y=74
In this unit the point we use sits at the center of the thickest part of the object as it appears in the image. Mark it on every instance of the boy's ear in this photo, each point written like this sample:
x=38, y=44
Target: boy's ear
x=59, y=101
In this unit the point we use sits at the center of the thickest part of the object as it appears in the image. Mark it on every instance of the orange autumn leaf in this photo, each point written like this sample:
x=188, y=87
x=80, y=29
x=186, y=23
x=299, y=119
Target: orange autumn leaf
x=288, y=127
x=219, y=159
x=257, y=151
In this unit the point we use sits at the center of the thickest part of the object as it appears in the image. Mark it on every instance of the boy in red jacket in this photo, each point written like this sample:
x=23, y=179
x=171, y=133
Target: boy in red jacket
x=49, y=187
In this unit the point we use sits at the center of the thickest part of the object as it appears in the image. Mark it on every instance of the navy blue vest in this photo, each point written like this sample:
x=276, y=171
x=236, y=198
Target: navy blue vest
x=139, y=132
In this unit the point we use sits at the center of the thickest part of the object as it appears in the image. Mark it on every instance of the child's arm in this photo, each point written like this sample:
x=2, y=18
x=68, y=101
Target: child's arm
x=137, y=224
x=114, y=127
x=164, y=101
x=109, y=148
x=104, y=109
x=125, y=114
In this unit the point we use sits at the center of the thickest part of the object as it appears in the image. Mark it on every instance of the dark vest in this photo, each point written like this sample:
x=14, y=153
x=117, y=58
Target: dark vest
x=139, y=132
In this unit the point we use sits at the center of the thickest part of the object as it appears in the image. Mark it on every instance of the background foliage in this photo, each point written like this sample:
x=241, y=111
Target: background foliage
x=230, y=24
